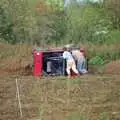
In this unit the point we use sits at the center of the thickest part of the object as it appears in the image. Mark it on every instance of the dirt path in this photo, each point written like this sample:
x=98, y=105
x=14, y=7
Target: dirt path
x=54, y=99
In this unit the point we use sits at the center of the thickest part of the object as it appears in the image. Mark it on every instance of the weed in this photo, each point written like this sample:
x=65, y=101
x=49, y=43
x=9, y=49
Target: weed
x=77, y=117
x=104, y=116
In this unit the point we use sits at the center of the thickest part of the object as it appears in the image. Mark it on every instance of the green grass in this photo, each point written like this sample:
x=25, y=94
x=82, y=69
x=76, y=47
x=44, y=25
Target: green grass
x=77, y=117
x=104, y=116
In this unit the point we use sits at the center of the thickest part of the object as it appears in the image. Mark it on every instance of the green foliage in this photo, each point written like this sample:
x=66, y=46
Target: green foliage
x=104, y=116
x=32, y=3
x=114, y=37
x=5, y=24
x=51, y=29
x=102, y=55
x=87, y=23
x=97, y=60
x=58, y=4
x=16, y=21
x=113, y=10
x=60, y=30
x=77, y=24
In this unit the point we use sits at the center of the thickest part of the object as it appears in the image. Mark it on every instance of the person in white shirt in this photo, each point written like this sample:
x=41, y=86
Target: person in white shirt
x=70, y=62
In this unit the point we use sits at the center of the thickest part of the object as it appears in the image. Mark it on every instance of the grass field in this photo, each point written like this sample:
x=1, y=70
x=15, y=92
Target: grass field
x=86, y=98
x=89, y=97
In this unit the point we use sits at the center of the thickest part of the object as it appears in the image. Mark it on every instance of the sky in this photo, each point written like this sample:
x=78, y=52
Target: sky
x=67, y=2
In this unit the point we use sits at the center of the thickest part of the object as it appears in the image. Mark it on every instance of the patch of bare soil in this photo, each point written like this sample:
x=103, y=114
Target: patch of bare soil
x=22, y=66
x=3, y=73
x=112, y=67
x=24, y=71
x=56, y=99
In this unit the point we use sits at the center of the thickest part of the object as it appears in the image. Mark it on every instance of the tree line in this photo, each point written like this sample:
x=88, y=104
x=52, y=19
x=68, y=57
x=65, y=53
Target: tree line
x=90, y=22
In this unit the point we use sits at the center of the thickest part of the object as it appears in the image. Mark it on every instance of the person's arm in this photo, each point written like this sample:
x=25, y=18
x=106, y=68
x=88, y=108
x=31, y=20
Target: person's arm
x=73, y=55
x=64, y=55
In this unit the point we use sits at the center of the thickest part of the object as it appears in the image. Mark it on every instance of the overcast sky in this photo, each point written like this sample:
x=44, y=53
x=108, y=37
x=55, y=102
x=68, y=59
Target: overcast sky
x=68, y=1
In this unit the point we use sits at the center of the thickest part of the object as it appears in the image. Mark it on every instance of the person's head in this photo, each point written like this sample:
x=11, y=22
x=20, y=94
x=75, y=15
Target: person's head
x=69, y=49
x=69, y=45
x=82, y=49
x=64, y=48
x=36, y=43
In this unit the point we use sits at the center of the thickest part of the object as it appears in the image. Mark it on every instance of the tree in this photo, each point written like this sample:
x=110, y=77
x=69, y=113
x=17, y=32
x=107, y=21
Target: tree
x=113, y=9
x=16, y=21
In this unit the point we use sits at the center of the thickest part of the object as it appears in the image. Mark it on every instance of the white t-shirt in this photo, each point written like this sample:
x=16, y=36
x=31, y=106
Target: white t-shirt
x=67, y=55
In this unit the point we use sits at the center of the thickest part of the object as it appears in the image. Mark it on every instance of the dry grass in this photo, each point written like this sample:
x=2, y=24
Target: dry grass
x=55, y=99
x=101, y=49
x=17, y=57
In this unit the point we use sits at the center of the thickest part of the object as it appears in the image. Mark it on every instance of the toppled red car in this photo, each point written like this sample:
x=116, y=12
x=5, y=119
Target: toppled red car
x=48, y=62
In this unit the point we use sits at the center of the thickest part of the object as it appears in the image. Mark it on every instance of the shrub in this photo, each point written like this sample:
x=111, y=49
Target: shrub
x=16, y=21
x=113, y=10
x=104, y=116
x=51, y=29
x=87, y=23
x=114, y=37
x=57, y=4
x=97, y=60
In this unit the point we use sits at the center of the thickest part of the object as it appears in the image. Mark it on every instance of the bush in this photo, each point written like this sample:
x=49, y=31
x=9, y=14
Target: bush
x=97, y=60
x=57, y=4
x=51, y=29
x=113, y=10
x=87, y=23
x=114, y=37
x=79, y=23
x=16, y=21
x=102, y=54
